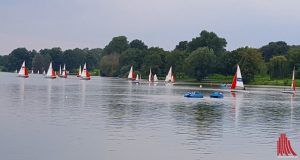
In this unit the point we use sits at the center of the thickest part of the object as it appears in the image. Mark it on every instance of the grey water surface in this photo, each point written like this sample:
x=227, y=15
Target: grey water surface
x=113, y=119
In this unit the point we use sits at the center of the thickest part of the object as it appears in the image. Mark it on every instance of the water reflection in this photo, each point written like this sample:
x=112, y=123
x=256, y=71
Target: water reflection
x=112, y=119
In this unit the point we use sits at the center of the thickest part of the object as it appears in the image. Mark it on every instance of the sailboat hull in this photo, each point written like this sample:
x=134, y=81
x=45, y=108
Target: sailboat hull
x=289, y=91
x=85, y=78
x=242, y=90
x=51, y=77
x=23, y=76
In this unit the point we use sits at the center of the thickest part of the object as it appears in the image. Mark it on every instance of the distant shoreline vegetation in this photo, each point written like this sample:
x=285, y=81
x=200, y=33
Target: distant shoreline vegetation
x=198, y=59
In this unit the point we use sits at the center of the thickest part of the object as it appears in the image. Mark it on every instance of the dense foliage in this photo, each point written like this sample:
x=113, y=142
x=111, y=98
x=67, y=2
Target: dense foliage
x=39, y=61
x=198, y=58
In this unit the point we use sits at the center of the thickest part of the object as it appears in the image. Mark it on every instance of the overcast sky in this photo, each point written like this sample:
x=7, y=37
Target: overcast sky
x=37, y=24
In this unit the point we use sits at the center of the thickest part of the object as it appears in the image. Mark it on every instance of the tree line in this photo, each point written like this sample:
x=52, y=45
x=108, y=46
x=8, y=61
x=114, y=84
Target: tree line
x=197, y=58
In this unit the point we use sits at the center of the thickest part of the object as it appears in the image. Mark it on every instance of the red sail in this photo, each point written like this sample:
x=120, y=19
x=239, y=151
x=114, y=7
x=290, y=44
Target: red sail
x=87, y=74
x=53, y=73
x=133, y=76
x=233, y=85
x=284, y=147
x=26, y=72
x=294, y=85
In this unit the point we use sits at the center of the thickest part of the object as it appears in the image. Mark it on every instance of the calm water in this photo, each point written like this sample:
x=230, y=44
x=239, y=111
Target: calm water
x=112, y=119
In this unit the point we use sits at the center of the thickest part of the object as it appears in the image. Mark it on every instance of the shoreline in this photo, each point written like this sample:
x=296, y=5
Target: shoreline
x=190, y=82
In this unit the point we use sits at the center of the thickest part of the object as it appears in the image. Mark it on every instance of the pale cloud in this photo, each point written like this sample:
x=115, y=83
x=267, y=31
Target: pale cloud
x=37, y=24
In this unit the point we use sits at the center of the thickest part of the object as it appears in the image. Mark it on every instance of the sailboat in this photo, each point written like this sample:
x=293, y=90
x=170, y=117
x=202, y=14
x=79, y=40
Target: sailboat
x=38, y=72
x=170, y=77
x=31, y=71
x=137, y=79
x=293, y=86
x=44, y=72
x=85, y=74
x=16, y=71
x=79, y=72
x=150, y=77
x=155, y=79
x=23, y=71
x=59, y=73
x=51, y=72
x=131, y=74
x=237, y=82
x=64, y=72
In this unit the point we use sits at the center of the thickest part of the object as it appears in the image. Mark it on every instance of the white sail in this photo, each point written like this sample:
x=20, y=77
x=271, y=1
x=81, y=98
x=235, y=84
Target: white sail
x=64, y=71
x=79, y=71
x=239, y=80
x=44, y=72
x=50, y=72
x=22, y=69
x=60, y=73
x=155, y=79
x=130, y=72
x=16, y=71
x=83, y=73
x=150, y=76
x=293, y=86
x=169, y=75
x=38, y=72
x=137, y=77
x=32, y=71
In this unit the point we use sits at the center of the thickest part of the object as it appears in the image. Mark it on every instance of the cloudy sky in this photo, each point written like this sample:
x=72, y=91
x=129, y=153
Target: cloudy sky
x=37, y=24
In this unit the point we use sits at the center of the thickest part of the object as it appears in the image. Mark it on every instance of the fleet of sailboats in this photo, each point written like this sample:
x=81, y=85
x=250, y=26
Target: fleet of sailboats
x=237, y=82
x=293, y=85
x=23, y=71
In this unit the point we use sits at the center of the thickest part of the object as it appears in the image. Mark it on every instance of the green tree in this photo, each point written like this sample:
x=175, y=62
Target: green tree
x=210, y=40
x=274, y=49
x=251, y=63
x=117, y=45
x=109, y=65
x=40, y=62
x=156, y=59
x=229, y=61
x=278, y=67
x=182, y=46
x=294, y=59
x=176, y=60
x=131, y=56
x=74, y=58
x=16, y=58
x=56, y=56
x=138, y=44
x=200, y=63
x=3, y=62
x=92, y=58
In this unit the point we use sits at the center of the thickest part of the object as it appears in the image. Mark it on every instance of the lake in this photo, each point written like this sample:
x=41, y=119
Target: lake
x=113, y=119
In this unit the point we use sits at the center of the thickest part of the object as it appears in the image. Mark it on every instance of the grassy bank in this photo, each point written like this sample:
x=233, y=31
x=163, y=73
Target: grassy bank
x=265, y=80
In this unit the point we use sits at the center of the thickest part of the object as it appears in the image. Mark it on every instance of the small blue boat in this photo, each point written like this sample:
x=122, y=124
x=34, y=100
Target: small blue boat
x=216, y=95
x=193, y=95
